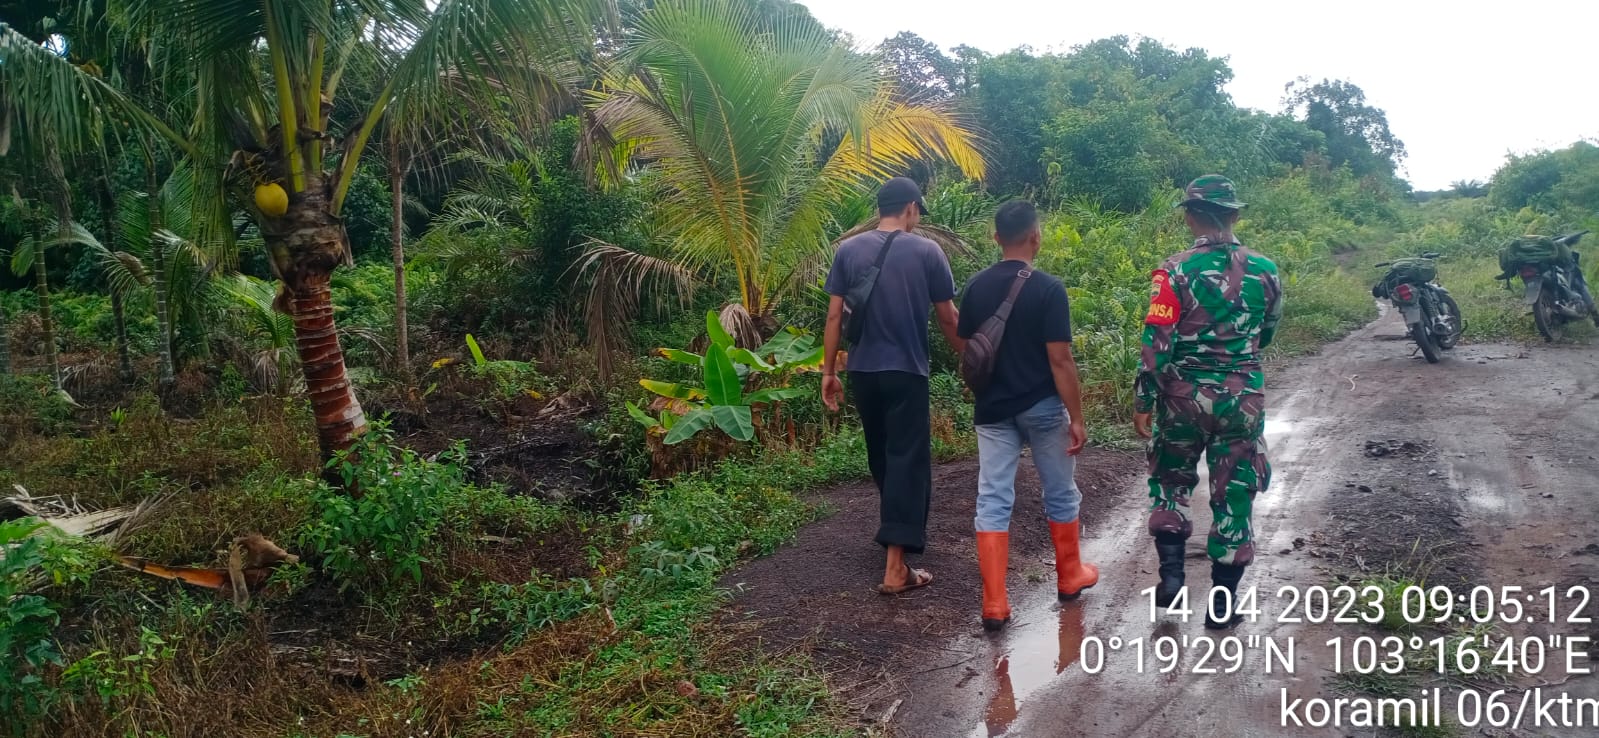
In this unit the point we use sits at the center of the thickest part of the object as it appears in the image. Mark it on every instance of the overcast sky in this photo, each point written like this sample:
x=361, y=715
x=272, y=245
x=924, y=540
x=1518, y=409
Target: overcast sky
x=1462, y=83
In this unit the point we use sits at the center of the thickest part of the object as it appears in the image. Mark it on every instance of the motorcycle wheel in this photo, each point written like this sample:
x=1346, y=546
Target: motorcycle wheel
x=1429, y=347
x=1452, y=310
x=1546, y=317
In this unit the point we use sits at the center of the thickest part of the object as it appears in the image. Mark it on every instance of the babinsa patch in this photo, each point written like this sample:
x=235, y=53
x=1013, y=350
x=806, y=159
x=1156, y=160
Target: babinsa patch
x=1164, y=307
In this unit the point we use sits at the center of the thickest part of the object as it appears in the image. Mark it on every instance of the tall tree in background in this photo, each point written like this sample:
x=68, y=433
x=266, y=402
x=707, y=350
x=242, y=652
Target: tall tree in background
x=12, y=223
x=756, y=130
x=1550, y=180
x=285, y=146
x=400, y=157
x=1357, y=132
x=966, y=60
x=118, y=290
x=920, y=71
x=1119, y=119
x=1014, y=98
x=32, y=255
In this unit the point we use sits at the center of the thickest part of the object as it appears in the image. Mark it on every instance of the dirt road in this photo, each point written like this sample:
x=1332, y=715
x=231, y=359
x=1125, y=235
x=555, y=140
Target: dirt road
x=1480, y=470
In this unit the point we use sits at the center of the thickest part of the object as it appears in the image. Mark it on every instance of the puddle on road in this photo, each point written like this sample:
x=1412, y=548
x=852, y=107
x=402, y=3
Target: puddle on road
x=1487, y=498
x=1045, y=641
x=1032, y=658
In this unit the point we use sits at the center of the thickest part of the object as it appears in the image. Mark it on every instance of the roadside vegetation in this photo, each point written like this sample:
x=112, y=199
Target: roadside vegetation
x=574, y=298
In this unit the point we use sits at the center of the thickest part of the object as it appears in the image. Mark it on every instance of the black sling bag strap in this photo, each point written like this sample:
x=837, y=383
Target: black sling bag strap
x=860, y=294
x=982, y=349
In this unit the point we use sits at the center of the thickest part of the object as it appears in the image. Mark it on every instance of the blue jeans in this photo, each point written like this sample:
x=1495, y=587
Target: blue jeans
x=1043, y=427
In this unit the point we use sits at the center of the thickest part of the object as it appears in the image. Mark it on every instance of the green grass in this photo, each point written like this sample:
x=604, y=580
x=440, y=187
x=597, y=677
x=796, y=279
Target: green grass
x=1492, y=312
x=1377, y=683
x=626, y=648
x=1321, y=308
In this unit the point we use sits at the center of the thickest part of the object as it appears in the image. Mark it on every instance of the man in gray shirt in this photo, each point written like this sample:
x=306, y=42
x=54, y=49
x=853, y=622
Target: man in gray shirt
x=888, y=367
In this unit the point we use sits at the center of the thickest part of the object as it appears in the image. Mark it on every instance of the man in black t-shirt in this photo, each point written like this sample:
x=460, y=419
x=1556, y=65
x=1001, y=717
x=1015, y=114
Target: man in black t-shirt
x=1032, y=399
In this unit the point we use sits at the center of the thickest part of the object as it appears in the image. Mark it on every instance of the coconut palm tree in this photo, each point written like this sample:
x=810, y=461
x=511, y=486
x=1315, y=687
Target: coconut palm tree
x=265, y=76
x=261, y=339
x=178, y=267
x=11, y=218
x=5, y=342
x=124, y=274
x=5, y=345
x=32, y=254
x=755, y=128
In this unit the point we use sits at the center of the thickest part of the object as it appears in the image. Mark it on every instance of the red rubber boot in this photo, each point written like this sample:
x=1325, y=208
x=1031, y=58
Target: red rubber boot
x=993, y=556
x=1072, y=575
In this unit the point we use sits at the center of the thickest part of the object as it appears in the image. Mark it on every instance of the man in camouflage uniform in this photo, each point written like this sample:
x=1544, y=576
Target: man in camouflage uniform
x=1212, y=309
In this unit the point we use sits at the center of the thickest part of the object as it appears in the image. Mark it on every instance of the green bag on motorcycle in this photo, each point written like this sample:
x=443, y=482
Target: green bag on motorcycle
x=1537, y=250
x=1413, y=270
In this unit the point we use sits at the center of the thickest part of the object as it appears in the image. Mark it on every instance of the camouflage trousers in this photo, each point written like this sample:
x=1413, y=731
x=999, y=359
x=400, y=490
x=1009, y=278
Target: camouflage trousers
x=1228, y=428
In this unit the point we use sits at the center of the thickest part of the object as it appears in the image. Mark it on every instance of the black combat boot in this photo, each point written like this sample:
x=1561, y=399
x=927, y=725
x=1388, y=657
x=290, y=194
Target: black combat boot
x=1225, y=576
x=1171, y=548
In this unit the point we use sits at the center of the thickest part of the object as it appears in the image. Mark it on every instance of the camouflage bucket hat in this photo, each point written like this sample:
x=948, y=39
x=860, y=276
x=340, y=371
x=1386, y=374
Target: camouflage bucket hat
x=1213, y=190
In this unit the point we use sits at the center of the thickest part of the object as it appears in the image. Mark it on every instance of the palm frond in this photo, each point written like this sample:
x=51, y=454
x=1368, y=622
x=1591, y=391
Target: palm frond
x=620, y=281
x=740, y=116
x=124, y=272
x=22, y=256
x=461, y=255
x=252, y=300
x=48, y=98
x=518, y=52
x=739, y=324
x=951, y=242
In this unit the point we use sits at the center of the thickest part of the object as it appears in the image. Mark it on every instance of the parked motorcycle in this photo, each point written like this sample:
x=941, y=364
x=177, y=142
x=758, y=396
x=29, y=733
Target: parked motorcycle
x=1557, y=294
x=1431, y=315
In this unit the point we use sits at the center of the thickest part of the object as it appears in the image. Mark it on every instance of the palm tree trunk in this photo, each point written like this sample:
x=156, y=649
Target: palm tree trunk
x=306, y=244
x=5, y=347
x=108, y=211
x=158, y=282
x=5, y=344
x=41, y=284
x=124, y=356
x=398, y=165
x=63, y=204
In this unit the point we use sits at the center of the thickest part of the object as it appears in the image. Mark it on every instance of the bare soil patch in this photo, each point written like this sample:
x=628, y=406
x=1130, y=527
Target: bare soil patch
x=816, y=594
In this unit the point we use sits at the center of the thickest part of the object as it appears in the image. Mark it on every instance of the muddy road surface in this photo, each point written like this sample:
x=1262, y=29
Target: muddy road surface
x=1479, y=471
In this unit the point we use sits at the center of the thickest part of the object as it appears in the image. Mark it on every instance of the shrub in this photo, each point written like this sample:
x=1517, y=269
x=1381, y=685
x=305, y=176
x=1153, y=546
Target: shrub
x=385, y=535
x=33, y=556
x=409, y=512
x=29, y=402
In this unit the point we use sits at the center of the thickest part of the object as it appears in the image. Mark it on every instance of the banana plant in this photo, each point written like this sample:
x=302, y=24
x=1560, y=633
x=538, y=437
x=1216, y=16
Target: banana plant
x=720, y=400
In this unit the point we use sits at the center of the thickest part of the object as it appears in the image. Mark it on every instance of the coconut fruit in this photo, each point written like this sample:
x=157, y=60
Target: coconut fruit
x=271, y=199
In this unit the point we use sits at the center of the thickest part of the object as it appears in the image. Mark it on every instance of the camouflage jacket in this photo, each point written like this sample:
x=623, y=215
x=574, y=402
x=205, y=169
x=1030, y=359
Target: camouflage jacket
x=1212, y=309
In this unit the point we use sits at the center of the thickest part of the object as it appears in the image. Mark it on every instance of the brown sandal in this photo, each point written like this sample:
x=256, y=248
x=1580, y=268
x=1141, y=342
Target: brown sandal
x=914, y=579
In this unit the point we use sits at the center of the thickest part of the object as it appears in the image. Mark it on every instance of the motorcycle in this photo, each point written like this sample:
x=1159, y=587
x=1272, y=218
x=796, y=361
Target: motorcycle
x=1557, y=295
x=1431, y=315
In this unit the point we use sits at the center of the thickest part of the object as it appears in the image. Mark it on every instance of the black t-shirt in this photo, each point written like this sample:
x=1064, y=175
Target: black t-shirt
x=1042, y=314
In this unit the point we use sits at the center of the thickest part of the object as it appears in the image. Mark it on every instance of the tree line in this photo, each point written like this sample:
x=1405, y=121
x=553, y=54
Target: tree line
x=570, y=168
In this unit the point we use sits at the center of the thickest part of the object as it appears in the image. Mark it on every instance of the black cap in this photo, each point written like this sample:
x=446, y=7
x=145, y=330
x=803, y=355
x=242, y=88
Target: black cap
x=897, y=193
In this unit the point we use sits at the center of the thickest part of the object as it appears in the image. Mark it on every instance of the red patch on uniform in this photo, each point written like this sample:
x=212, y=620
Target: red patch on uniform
x=1164, y=307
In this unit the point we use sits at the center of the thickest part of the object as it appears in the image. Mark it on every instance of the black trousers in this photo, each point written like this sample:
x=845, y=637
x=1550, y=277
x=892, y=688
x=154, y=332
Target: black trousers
x=894, y=417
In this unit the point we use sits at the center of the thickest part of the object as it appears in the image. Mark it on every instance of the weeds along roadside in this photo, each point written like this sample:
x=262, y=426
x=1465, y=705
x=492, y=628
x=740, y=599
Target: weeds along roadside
x=451, y=631
x=618, y=640
x=587, y=623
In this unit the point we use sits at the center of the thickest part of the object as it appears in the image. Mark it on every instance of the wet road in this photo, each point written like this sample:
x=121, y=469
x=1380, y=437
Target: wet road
x=1515, y=430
